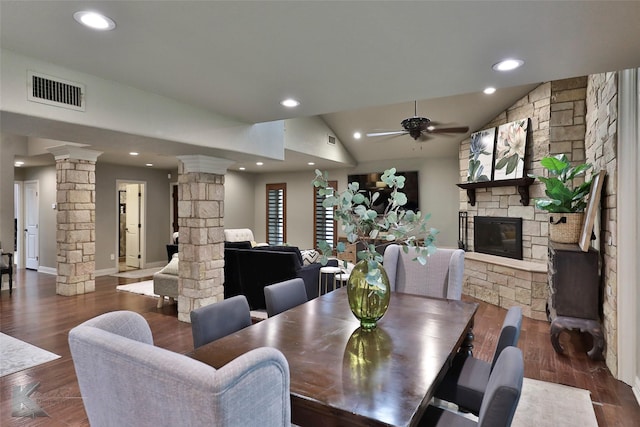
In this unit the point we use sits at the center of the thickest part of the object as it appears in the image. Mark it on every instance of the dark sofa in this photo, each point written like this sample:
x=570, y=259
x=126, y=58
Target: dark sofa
x=248, y=270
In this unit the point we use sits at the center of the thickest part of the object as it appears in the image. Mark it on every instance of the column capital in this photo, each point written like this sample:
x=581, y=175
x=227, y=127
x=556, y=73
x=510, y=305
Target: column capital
x=62, y=152
x=205, y=164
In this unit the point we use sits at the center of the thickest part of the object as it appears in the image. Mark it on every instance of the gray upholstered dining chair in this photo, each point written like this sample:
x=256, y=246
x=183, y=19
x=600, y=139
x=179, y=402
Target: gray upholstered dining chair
x=127, y=381
x=217, y=320
x=500, y=400
x=282, y=296
x=441, y=277
x=467, y=378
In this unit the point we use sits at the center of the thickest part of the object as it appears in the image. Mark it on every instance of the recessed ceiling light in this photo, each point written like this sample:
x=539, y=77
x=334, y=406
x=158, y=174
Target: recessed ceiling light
x=489, y=90
x=357, y=135
x=133, y=153
x=242, y=168
x=508, y=65
x=18, y=163
x=94, y=20
x=149, y=164
x=290, y=103
x=311, y=163
x=259, y=163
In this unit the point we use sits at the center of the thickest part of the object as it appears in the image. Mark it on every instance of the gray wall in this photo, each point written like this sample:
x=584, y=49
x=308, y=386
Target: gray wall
x=156, y=217
x=439, y=196
x=46, y=177
x=239, y=200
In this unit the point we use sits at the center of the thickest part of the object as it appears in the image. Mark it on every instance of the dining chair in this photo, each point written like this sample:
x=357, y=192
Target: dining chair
x=499, y=402
x=467, y=378
x=284, y=295
x=440, y=277
x=217, y=320
x=127, y=381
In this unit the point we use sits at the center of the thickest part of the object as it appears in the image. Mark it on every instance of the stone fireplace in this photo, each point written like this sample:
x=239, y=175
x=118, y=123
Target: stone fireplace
x=557, y=112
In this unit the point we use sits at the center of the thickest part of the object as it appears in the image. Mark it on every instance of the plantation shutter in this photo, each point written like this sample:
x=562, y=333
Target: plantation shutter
x=276, y=209
x=325, y=226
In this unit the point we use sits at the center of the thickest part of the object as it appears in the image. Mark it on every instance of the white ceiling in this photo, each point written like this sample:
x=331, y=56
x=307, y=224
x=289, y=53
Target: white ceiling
x=359, y=64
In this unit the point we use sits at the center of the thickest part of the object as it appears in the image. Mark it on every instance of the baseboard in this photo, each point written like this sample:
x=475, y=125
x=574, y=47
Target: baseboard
x=155, y=264
x=48, y=270
x=636, y=389
x=106, y=271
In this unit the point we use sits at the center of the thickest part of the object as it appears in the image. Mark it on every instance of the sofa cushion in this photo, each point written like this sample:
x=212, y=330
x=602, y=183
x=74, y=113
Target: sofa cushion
x=276, y=248
x=309, y=256
x=245, y=244
x=172, y=267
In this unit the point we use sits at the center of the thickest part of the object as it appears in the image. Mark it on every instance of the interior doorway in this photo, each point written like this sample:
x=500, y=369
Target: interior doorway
x=32, y=225
x=131, y=225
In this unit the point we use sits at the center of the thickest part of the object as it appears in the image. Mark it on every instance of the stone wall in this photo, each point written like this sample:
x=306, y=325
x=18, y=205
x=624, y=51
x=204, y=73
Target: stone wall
x=557, y=111
x=601, y=150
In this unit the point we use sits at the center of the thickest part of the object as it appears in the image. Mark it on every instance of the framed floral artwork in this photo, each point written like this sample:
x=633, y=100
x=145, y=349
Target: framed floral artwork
x=481, y=155
x=511, y=143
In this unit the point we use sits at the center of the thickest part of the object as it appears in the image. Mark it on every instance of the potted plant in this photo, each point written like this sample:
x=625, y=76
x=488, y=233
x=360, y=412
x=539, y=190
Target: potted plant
x=368, y=285
x=563, y=198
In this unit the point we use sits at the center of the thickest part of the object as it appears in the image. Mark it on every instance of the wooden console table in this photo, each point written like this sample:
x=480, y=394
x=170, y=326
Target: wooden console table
x=574, y=294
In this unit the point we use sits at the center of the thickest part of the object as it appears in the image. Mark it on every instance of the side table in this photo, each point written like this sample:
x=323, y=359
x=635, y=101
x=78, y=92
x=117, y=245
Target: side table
x=327, y=274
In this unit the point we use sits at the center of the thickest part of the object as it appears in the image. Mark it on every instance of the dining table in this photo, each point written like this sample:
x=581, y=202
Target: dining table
x=343, y=375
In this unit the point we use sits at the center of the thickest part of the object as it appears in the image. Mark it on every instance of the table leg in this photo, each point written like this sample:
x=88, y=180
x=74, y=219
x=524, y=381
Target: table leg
x=467, y=344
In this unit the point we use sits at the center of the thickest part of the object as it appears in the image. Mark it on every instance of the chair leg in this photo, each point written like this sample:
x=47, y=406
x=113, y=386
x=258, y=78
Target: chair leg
x=160, y=301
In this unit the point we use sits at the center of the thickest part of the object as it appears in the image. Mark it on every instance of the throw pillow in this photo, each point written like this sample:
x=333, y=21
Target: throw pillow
x=309, y=256
x=172, y=267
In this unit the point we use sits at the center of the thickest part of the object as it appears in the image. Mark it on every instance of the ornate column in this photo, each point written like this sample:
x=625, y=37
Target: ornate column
x=76, y=219
x=201, y=221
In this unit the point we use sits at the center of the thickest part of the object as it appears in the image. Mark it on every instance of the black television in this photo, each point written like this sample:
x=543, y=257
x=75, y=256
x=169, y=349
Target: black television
x=372, y=182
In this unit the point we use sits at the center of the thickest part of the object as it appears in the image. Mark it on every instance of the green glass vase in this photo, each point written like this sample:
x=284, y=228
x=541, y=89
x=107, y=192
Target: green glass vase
x=369, y=292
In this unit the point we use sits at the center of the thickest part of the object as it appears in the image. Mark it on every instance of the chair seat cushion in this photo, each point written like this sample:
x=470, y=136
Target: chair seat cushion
x=465, y=383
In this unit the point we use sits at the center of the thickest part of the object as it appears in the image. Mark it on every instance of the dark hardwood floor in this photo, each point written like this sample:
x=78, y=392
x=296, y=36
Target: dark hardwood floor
x=35, y=314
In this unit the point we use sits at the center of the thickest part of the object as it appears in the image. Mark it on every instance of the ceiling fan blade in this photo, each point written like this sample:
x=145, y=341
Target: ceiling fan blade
x=460, y=129
x=396, y=132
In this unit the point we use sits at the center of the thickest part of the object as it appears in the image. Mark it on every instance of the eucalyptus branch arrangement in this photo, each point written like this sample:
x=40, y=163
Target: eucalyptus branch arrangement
x=353, y=209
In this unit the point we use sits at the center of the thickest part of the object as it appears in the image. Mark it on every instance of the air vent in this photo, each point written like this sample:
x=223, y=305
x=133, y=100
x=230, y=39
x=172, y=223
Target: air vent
x=332, y=140
x=54, y=91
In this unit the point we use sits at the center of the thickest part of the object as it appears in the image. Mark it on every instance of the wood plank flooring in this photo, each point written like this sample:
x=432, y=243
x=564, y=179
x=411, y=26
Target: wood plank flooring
x=35, y=314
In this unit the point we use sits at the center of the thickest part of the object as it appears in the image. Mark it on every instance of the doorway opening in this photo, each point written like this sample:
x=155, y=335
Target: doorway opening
x=130, y=225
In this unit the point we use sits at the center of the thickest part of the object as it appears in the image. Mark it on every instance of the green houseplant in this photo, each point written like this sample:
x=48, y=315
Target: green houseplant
x=368, y=285
x=563, y=197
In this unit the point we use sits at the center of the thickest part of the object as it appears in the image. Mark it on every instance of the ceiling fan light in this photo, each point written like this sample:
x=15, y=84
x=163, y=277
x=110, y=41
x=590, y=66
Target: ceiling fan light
x=507, y=64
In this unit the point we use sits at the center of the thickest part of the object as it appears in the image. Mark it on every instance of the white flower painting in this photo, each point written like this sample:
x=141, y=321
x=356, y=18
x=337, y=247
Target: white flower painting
x=510, y=150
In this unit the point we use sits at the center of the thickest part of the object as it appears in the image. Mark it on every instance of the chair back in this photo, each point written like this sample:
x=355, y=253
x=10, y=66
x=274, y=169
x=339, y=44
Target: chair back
x=217, y=320
x=440, y=277
x=510, y=332
x=503, y=390
x=125, y=380
x=282, y=296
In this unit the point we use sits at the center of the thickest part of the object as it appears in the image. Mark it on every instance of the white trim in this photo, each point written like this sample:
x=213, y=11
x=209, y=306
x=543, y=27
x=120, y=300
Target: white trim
x=18, y=200
x=61, y=152
x=636, y=389
x=628, y=203
x=143, y=219
x=48, y=270
x=205, y=164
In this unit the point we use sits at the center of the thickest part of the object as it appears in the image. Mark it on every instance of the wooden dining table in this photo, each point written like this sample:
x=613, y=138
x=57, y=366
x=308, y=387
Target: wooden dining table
x=342, y=375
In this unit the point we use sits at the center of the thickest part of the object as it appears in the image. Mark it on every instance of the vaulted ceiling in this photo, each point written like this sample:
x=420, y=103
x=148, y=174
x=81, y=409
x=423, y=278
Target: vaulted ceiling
x=357, y=64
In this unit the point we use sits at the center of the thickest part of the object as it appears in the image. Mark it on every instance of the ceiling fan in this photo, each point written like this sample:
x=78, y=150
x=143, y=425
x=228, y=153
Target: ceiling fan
x=419, y=127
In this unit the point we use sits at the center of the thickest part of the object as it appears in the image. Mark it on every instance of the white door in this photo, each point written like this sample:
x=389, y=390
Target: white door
x=133, y=225
x=31, y=225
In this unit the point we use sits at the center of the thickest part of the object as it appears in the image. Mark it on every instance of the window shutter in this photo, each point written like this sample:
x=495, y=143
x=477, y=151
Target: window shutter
x=276, y=219
x=325, y=226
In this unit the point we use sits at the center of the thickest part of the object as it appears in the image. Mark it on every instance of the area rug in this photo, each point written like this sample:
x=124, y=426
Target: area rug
x=137, y=274
x=544, y=404
x=146, y=288
x=17, y=355
x=141, y=288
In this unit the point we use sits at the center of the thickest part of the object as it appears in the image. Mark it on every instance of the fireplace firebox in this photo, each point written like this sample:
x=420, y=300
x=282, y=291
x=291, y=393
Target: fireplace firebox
x=499, y=236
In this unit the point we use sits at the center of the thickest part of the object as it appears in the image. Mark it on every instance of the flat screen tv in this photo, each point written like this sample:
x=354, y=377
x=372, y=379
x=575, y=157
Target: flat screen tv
x=372, y=182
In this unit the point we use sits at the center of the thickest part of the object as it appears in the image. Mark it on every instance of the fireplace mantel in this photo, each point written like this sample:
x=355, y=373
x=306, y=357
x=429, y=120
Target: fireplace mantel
x=521, y=183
